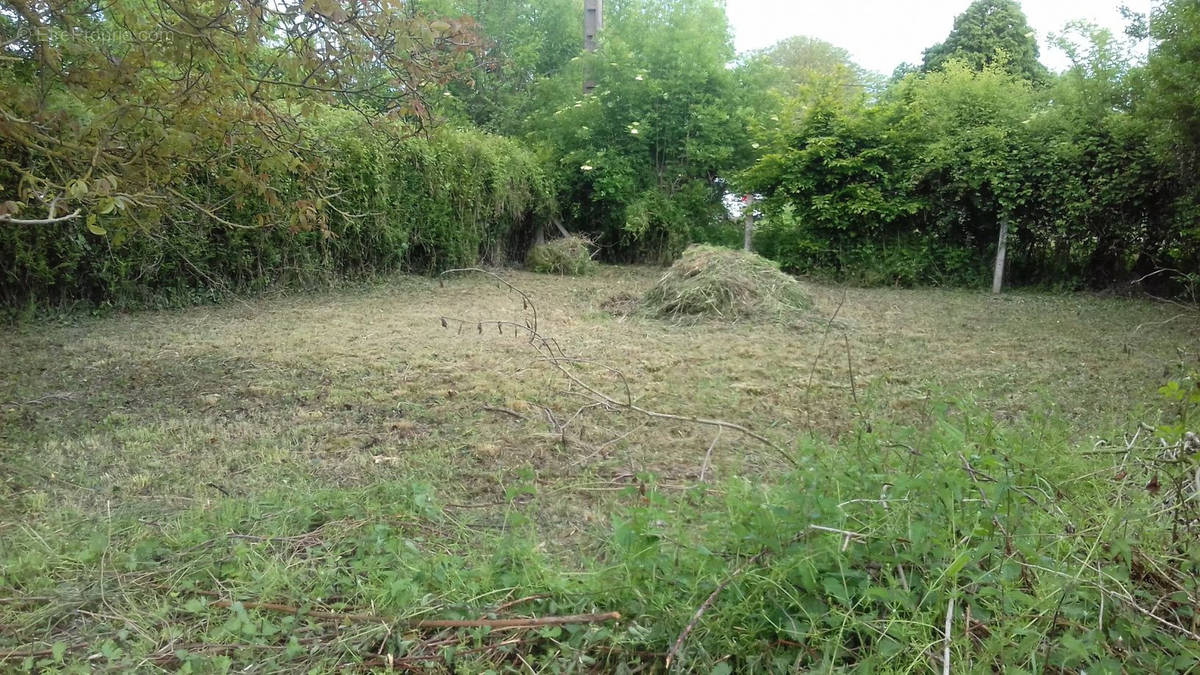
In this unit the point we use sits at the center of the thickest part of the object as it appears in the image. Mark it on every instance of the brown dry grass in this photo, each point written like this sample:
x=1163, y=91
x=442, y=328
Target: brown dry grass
x=154, y=411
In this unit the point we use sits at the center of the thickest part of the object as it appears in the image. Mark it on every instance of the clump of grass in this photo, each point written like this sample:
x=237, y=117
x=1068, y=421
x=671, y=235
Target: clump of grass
x=721, y=283
x=570, y=256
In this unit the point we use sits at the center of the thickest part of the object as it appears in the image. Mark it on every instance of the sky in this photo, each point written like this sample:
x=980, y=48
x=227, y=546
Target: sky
x=882, y=34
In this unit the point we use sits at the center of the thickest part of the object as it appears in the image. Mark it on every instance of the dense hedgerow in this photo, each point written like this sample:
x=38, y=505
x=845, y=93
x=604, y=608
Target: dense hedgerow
x=380, y=203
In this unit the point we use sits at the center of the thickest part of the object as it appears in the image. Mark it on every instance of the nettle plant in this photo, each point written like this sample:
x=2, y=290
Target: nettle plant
x=1183, y=395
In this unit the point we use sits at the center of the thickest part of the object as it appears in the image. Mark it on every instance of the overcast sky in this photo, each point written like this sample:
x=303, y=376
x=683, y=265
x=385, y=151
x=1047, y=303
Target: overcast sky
x=882, y=34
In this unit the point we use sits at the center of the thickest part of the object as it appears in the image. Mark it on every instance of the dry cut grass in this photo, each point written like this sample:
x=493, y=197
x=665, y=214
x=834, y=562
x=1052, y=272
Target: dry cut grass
x=142, y=419
x=155, y=411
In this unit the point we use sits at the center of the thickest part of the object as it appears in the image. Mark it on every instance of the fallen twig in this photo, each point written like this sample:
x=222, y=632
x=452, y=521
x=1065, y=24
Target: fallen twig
x=517, y=623
x=821, y=349
x=557, y=360
x=34, y=653
x=520, y=601
x=420, y=624
x=708, y=455
x=504, y=411
x=708, y=603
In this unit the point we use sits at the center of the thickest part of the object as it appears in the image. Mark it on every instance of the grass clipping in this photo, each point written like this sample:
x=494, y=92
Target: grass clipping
x=571, y=256
x=721, y=283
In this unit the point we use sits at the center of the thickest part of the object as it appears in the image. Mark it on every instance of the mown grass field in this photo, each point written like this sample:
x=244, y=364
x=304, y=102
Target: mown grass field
x=346, y=456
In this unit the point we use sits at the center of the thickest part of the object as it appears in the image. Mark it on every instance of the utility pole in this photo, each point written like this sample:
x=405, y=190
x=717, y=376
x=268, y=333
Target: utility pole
x=593, y=22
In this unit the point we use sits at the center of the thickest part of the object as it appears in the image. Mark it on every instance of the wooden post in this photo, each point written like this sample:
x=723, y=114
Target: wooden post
x=593, y=22
x=748, y=219
x=1001, y=251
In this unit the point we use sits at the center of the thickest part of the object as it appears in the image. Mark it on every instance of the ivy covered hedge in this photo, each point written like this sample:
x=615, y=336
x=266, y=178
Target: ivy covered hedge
x=372, y=201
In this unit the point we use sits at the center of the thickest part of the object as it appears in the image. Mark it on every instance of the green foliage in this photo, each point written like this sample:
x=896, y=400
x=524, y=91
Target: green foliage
x=1171, y=107
x=107, y=109
x=808, y=70
x=945, y=515
x=524, y=42
x=722, y=283
x=450, y=199
x=991, y=32
x=840, y=184
x=850, y=562
x=913, y=188
x=569, y=256
x=637, y=159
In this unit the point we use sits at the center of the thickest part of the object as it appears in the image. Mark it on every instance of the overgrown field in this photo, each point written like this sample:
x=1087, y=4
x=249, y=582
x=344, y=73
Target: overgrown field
x=296, y=483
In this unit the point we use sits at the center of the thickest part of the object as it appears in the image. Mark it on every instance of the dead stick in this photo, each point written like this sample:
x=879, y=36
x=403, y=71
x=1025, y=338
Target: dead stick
x=557, y=361
x=504, y=411
x=288, y=609
x=515, y=623
x=821, y=349
x=708, y=603
x=34, y=653
x=430, y=623
x=513, y=603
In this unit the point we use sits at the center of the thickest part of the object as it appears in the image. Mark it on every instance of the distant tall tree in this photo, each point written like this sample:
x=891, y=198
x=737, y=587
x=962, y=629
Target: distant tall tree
x=523, y=42
x=1174, y=107
x=805, y=67
x=991, y=31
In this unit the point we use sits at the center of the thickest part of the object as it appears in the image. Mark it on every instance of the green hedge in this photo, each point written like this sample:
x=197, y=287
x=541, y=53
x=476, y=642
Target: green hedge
x=423, y=203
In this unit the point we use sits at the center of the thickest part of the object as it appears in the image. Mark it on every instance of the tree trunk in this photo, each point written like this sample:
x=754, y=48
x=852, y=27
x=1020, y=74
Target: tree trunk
x=1001, y=250
x=748, y=219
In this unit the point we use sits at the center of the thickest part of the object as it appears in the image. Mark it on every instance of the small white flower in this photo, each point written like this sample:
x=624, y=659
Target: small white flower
x=754, y=145
x=634, y=132
x=639, y=78
x=446, y=93
x=586, y=167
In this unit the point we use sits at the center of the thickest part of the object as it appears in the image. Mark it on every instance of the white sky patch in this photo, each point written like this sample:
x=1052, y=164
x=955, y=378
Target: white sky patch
x=882, y=34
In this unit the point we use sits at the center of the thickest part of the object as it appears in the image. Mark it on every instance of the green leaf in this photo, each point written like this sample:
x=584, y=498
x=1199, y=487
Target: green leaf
x=195, y=605
x=93, y=227
x=58, y=650
x=959, y=563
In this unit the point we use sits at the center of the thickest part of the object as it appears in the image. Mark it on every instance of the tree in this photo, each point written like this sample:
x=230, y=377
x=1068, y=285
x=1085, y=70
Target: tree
x=639, y=158
x=991, y=32
x=840, y=186
x=1173, y=72
x=130, y=106
x=972, y=167
x=524, y=41
x=804, y=67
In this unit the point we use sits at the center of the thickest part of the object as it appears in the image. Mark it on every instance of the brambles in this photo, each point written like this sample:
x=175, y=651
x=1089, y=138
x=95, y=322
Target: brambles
x=569, y=256
x=721, y=283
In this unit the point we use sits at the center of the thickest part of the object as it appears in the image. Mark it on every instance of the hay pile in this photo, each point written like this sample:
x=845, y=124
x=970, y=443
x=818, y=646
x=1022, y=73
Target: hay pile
x=571, y=256
x=721, y=283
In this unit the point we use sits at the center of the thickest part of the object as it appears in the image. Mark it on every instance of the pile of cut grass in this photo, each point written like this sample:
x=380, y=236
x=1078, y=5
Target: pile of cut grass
x=721, y=283
x=570, y=256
